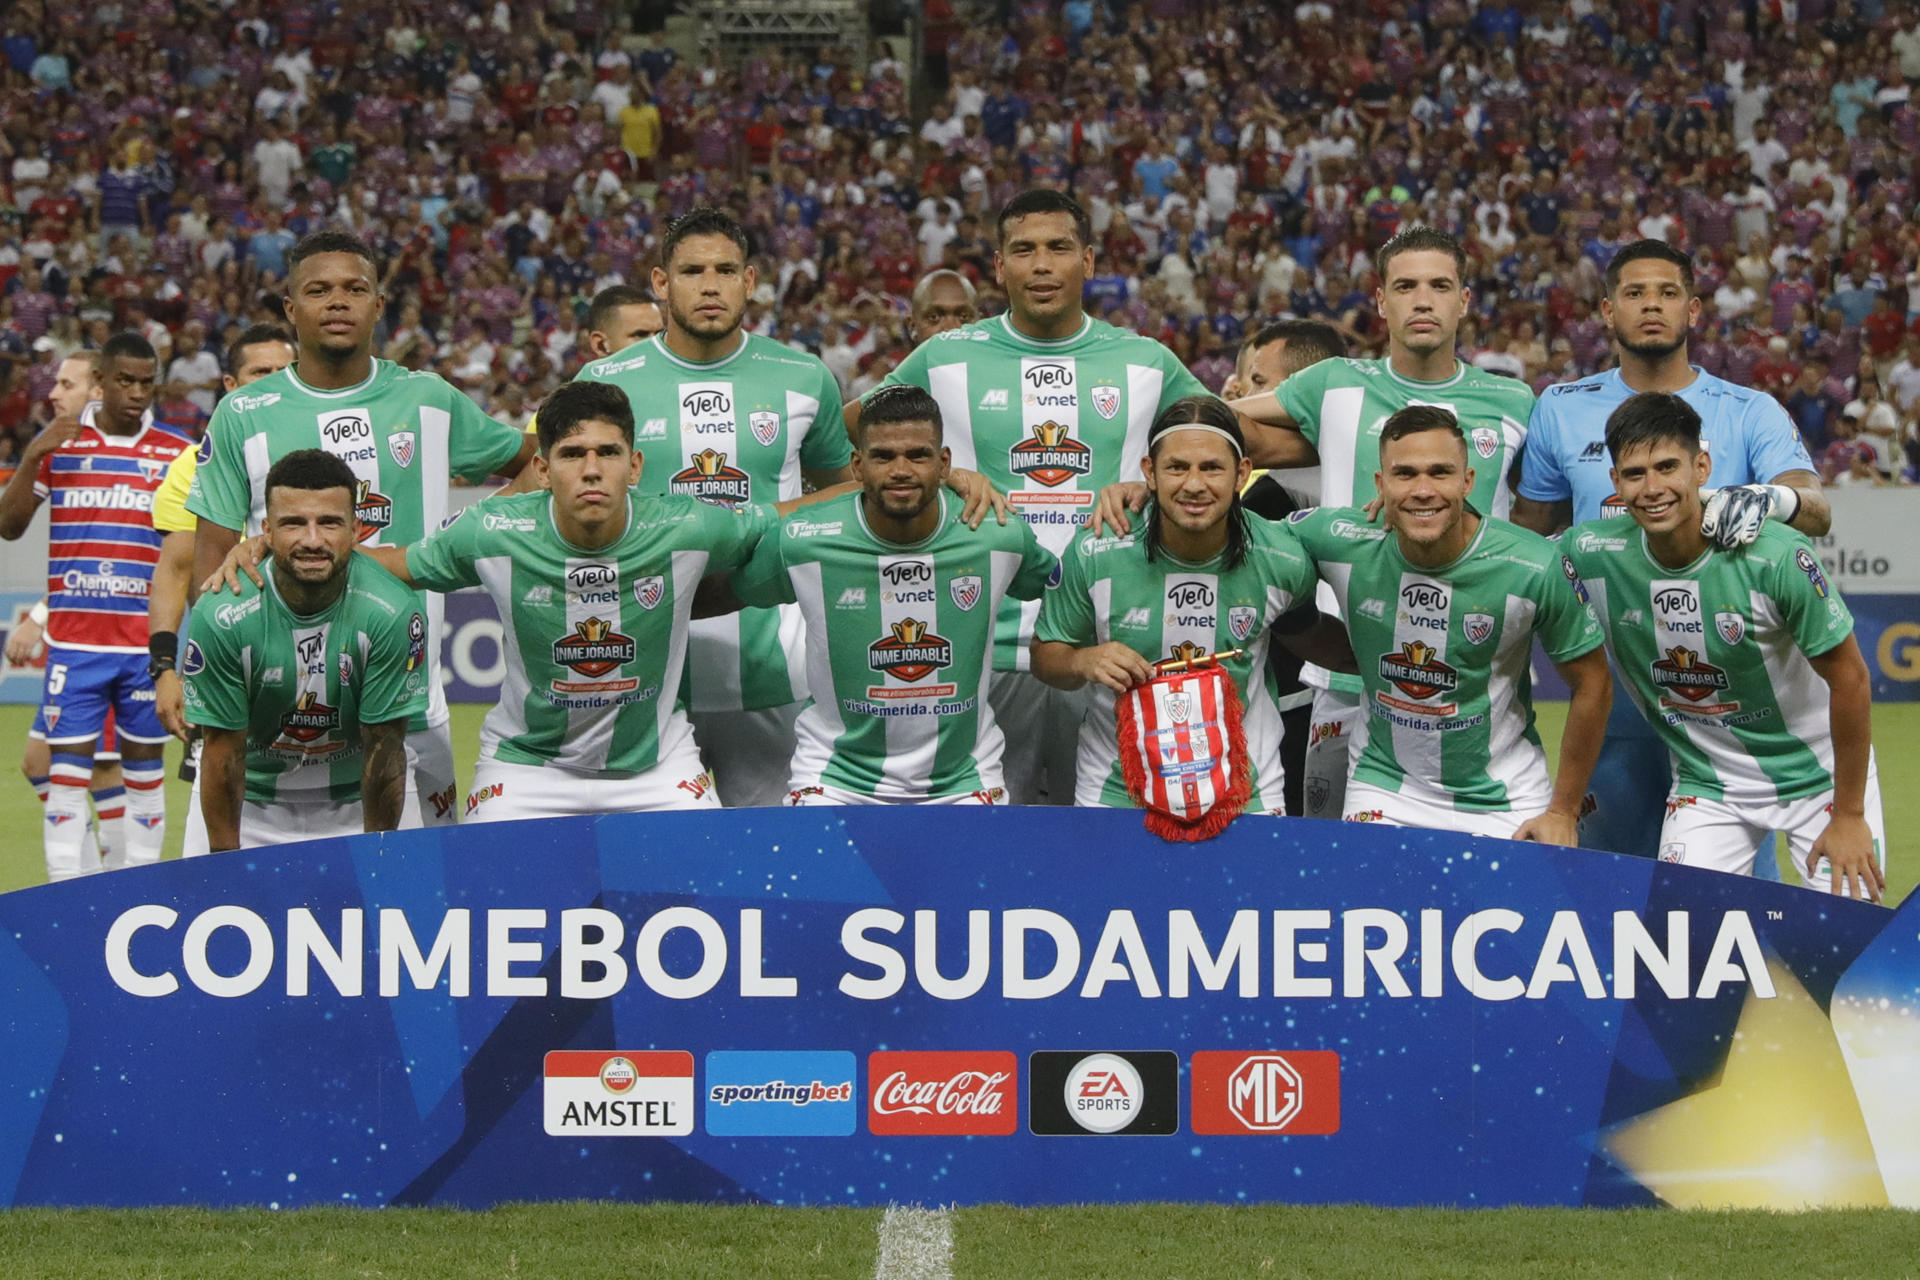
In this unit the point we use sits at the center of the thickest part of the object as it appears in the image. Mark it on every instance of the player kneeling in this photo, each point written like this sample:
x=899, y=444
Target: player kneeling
x=304, y=684
x=899, y=595
x=1744, y=662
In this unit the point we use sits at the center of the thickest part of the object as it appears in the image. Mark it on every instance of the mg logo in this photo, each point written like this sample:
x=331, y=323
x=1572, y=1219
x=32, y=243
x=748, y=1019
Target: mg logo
x=1265, y=1093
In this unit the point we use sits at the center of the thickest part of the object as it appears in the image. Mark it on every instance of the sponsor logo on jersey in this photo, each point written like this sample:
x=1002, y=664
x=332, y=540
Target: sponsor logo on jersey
x=652, y=429
x=1106, y=400
x=1613, y=505
x=594, y=648
x=400, y=445
x=1190, y=604
x=1677, y=803
x=619, y=1094
x=309, y=719
x=809, y=529
x=1731, y=626
x=585, y=577
x=416, y=642
x=1418, y=672
x=152, y=469
x=1477, y=627
x=1366, y=815
x=1050, y=456
x=1324, y=731
x=1372, y=609
x=708, y=477
x=227, y=616
x=538, y=595
x=192, y=663
x=948, y=1093
x=705, y=402
x=1486, y=441
x=1687, y=674
x=765, y=426
x=780, y=1094
x=1105, y=1094
x=119, y=497
x=910, y=653
x=477, y=798
x=1136, y=619
x=1355, y=532
x=994, y=399
x=1811, y=567
x=345, y=427
x=1241, y=620
x=1249, y=1094
x=373, y=510
x=246, y=403
x=104, y=581
x=650, y=591
x=1599, y=542
x=273, y=677
x=852, y=598
x=1596, y=451
x=508, y=524
x=310, y=651
x=965, y=590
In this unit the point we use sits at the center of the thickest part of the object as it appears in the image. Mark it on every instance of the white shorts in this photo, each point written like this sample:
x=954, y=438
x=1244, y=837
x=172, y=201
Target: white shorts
x=750, y=751
x=811, y=796
x=1729, y=837
x=504, y=792
x=1367, y=803
x=284, y=822
x=433, y=796
x=1041, y=725
x=1337, y=722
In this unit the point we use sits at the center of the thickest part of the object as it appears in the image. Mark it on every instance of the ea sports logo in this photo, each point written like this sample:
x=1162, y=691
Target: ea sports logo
x=1265, y=1092
x=1104, y=1093
x=618, y=1075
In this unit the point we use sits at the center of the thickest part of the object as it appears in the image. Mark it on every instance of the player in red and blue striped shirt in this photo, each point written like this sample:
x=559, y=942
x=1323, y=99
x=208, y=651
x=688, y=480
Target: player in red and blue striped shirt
x=101, y=470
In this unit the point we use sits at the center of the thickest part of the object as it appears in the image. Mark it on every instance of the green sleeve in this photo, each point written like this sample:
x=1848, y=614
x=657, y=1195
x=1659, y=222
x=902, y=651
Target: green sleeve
x=1811, y=608
x=216, y=685
x=763, y=580
x=1564, y=623
x=1037, y=567
x=1066, y=612
x=736, y=532
x=825, y=446
x=394, y=686
x=1300, y=396
x=448, y=559
x=1290, y=567
x=221, y=492
x=1309, y=528
x=477, y=446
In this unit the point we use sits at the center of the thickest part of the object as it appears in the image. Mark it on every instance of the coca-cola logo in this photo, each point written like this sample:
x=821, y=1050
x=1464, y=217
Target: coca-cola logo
x=947, y=1093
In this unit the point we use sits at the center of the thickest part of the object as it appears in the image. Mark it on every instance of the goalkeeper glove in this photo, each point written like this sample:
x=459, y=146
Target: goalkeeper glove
x=1734, y=515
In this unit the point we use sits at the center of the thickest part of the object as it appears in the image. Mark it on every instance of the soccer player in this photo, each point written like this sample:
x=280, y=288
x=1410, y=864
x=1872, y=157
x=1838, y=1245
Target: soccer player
x=1443, y=607
x=1050, y=405
x=620, y=316
x=1332, y=414
x=403, y=434
x=304, y=685
x=260, y=349
x=1199, y=577
x=942, y=300
x=899, y=596
x=736, y=419
x=1743, y=660
x=101, y=475
x=1565, y=477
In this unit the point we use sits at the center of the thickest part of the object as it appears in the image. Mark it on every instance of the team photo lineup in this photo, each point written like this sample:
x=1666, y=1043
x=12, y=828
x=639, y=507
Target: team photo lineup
x=1039, y=561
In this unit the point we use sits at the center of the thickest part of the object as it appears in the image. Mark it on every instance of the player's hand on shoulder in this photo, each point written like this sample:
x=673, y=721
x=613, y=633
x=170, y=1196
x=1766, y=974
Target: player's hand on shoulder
x=246, y=557
x=1119, y=503
x=978, y=497
x=1732, y=517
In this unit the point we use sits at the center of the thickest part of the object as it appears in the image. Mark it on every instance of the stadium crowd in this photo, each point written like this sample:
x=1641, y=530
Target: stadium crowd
x=1241, y=162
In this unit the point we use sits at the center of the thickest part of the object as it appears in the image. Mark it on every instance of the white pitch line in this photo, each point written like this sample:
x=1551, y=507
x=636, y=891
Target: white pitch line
x=915, y=1244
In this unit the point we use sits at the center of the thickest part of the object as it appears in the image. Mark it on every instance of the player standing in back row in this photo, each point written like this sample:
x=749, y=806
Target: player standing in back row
x=1050, y=405
x=403, y=434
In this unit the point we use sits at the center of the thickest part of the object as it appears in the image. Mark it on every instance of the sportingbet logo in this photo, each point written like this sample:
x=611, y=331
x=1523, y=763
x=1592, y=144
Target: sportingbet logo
x=1116, y=1094
x=780, y=1094
x=1249, y=1094
x=622, y=1094
x=946, y=1094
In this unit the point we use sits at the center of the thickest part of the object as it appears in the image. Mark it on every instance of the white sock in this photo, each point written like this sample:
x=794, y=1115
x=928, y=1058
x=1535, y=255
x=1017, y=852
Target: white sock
x=146, y=829
x=65, y=828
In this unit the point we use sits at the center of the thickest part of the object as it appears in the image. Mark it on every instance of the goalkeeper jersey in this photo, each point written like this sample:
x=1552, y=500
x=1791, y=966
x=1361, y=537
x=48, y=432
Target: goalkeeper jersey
x=594, y=640
x=736, y=430
x=404, y=435
x=301, y=686
x=899, y=644
x=1340, y=406
x=1443, y=654
x=1715, y=654
x=1166, y=608
x=1050, y=423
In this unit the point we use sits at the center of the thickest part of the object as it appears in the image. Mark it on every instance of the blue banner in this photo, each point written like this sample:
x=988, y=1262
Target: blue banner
x=867, y=1006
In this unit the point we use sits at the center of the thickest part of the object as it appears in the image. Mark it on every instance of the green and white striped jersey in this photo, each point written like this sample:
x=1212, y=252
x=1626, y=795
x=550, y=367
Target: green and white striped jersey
x=899, y=644
x=594, y=641
x=302, y=685
x=1443, y=655
x=1166, y=608
x=736, y=430
x=1340, y=406
x=403, y=435
x=1716, y=655
x=1050, y=423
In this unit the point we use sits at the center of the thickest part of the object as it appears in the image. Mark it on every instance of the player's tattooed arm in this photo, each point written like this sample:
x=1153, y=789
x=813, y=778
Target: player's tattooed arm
x=1592, y=702
x=213, y=546
x=223, y=783
x=1847, y=843
x=383, y=773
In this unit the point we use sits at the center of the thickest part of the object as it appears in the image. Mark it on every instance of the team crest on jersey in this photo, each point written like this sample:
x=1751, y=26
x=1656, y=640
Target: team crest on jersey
x=1477, y=627
x=1106, y=400
x=400, y=444
x=1050, y=456
x=416, y=642
x=1418, y=672
x=650, y=591
x=1241, y=620
x=710, y=479
x=1687, y=675
x=1486, y=441
x=1811, y=567
x=594, y=649
x=910, y=653
x=309, y=720
x=344, y=664
x=1731, y=626
x=765, y=426
x=373, y=510
x=52, y=714
x=151, y=469
x=965, y=590
x=1319, y=791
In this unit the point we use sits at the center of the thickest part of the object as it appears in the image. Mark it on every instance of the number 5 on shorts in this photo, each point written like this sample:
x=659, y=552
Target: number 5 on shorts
x=56, y=678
